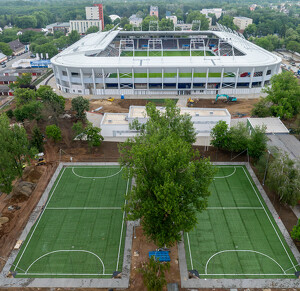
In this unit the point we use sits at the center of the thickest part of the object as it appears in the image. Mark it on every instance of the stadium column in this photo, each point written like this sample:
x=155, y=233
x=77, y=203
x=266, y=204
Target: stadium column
x=103, y=80
x=192, y=80
x=162, y=78
x=147, y=78
x=69, y=78
x=222, y=77
x=264, y=76
x=177, y=78
x=236, y=77
x=94, y=81
x=82, y=83
x=251, y=78
x=118, y=74
x=132, y=79
x=206, y=81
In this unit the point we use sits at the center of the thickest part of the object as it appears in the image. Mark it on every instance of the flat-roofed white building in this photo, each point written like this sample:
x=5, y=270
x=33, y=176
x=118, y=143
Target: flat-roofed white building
x=173, y=18
x=216, y=11
x=135, y=20
x=204, y=119
x=242, y=22
x=83, y=25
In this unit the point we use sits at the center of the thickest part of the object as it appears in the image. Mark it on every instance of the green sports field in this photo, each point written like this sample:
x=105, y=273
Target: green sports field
x=81, y=231
x=237, y=237
x=165, y=53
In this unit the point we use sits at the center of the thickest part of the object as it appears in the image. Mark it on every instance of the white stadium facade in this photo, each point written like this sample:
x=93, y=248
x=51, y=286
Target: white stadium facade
x=164, y=62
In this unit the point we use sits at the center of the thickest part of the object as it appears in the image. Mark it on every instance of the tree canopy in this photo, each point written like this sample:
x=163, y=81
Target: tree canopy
x=171, y=183
x=80, y=105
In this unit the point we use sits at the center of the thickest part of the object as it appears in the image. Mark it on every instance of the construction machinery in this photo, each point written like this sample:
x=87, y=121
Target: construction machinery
x=190, y=102
x=227, y=100
x=110, y=99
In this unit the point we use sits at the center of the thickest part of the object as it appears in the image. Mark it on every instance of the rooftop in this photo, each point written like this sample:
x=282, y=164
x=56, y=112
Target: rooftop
x=273, y=124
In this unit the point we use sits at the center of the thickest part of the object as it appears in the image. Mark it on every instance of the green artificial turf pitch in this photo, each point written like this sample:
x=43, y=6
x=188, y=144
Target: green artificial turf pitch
x=165, y=53
x=81, y=231
x=237, y=237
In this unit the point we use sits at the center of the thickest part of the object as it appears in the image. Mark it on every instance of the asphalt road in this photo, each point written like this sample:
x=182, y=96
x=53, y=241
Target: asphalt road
x=9, y=63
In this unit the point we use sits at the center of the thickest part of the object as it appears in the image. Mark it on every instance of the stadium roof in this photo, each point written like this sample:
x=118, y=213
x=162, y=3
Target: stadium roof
x=80, y=54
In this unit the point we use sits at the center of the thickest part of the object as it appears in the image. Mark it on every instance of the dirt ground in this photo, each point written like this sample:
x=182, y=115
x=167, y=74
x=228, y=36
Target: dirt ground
x=108, y=151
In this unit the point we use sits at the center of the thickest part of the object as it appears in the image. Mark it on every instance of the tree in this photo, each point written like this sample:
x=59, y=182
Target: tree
x=171, y=184
x=15, y=151
x=5, y=49
x=37, y=139
x=80, y=105
x=30, y=111
x=295, y=233
x=124, y=21
x=93, y=136
x=154, y=274
x=257, y=143
x=196, y=15
x=166, y=25
x=284, y=178
x=23, y=81
x=239, y=137
x=284, y=94
x=78, y=129
x=24, y=96
x=146, y=21
x=92, y=29
x=73, y=37
x=53, y=132
x=227, y=20
x=108, y=27
x=219, y=135
x=53, y=103
x=26, y=21
x=293, y=46
x=262, y=108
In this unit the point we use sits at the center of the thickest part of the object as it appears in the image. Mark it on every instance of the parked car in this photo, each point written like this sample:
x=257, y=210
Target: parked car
x=32, y=55
x=3, y=66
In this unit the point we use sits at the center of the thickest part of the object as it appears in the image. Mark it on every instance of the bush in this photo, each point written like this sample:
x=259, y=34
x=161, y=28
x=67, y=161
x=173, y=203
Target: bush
x=295, y=233
x=262, y=108
x=154, y=274
x=53, y=132
x=10, y=113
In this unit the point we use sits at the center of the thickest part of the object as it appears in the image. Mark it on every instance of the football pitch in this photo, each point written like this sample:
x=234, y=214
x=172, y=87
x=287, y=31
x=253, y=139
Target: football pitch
x=174, y=53
x=237, y=236
x=81, y=231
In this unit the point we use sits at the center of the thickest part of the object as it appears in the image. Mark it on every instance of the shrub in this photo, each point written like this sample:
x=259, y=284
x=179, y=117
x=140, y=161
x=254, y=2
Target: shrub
x=295, y=233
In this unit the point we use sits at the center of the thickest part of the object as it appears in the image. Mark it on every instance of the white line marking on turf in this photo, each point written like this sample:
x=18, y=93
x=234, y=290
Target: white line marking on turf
x=61, y=251
x=233, y=208
x=187, y=235
x=223, y=177
x=270, y=220
x=247, y=274
x=37, y=223
x=251, y=251
x=79, y=176
x=64, y=274
x=122, y=229
x=84, y=208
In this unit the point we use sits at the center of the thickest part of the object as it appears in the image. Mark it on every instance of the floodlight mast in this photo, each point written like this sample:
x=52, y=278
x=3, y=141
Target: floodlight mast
x=197, y=23
x=152, y=24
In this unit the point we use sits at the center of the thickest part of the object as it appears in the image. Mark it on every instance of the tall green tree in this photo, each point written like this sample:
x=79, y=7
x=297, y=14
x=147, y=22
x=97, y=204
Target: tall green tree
x=15, y=150
x=92, y=29
x=54, y=132
x=5, y=49
x=93, y=136
x=73, y=37
x=219, y=135
x=171, y=184
x=196, y=15
x=37, y=139
x=80, y=105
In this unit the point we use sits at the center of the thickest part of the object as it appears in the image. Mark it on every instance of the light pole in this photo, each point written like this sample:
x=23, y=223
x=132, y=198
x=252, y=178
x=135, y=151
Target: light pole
x=266, y=169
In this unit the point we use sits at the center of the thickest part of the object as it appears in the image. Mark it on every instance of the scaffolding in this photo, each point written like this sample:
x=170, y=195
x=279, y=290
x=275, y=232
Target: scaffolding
x=155, y=45
x=153, y=24
x=126, y=45
x=197, y=45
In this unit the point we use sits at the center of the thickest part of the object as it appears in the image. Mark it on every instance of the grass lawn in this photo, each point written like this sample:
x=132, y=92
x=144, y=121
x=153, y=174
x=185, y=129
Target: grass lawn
x=236, y=236
x=81, y=231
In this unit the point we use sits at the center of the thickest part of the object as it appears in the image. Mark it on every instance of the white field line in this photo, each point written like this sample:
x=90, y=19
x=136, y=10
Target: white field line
x=187, y=235
x=270, y=220
x=64, y=251
x=83, y=177
x=59, y=274
x=247, y=274
x=235, y=208
x=249, y=251
x=122, y=229
x=37, y=223
x=84, y=208
x=223, y=177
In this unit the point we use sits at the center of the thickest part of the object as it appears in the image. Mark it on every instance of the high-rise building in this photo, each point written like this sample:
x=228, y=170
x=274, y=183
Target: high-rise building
x=154, y=11
x=95, y=13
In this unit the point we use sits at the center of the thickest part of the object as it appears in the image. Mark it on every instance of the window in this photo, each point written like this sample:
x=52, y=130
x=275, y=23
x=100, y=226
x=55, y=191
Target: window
x=64, y=73
x=74, y=74
x=258, y=74
x=269, y=72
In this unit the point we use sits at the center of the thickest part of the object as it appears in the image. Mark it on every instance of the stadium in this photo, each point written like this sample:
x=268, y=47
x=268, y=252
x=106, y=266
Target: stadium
x=164, y=62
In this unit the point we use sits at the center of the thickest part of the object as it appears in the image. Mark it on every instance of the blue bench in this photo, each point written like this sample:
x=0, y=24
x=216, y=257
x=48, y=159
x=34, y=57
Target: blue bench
x=163, y=256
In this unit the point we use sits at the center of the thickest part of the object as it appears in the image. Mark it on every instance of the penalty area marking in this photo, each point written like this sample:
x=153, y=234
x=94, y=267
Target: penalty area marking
x=235, y=208
x=84, y=208
x=61, y=251
x=250, y=251
x=62, y=274
x=223, y=177
x=83, y=177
